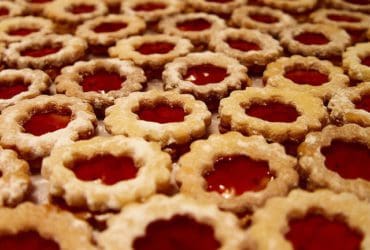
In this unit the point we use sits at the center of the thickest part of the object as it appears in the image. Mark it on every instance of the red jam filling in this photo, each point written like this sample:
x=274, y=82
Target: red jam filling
x=161, y=113
x=102, y=81
x=205, y=73
x=310, y=38
x=263, y=18
x=155, y=48
x=8, y=91
x=22, y=32
x=4, y=11
x=242, y=45
x=291, y=147
x=307, y=76
x=359, y=2
x=343, y=18
x=40, y=1
x=363, y=103
x=350, y=160
x=178, y=233
x=366, y=61
x=108, y=168
x=357, y=35
x=239, y=174
x=273, y=112
x=82, y=8
x=29, y=240
x=110, y=27
x=315, y=232
x=219, y=1
x=40, y=52
x=150, y=6
x=197, y=24
x=47, y=121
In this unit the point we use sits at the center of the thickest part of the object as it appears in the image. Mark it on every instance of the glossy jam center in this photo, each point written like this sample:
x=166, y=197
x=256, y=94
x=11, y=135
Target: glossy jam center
x=47, y=121
x=205, y=73
x=262, y=18
x=310, y=38
x=40, y=52
x=110, y=27
x=102, y=81
x=315, y=232
x=22, y=32
x=197, y=24
x=155, y=48
x=7, y=91
x=366, y=61
x=242, y=45
x=108, y=168
x=273, y=112
x=350, y=160
x=238, y=174
x=363, y=103
x=40, y=1
x=150, y=6
x=82, y=8
x=307, y=76
x=178, y=233
x=359, y=2
x=27, y=241
x=4, y=11
x=219, y=1
x=343, y=18
x=161, y=113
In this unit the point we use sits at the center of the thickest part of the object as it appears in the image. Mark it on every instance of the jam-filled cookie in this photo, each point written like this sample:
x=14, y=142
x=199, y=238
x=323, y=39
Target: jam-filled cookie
x=107, y=172
x=10, y=9
x=356, y=60
x=221, y=7
x=235, y=172
x=355, y=5
x=34, y=7
x=161, y=221
x=301, y=6
x=336, y=158
x=318, y=220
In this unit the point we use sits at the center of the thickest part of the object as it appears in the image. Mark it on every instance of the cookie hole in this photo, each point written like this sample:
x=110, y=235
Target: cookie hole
x=155, y=48
x=161, y=112
x=27, y=240
x=366, y=61
x=359, y=2
x=150, y=6
x=9, y=89
x=22, y=31
x=273, y=111
x=107, y=27
x=81, y=9
x=41, y=50
x=309, y=76
x=101, y=80
x=197, y=24
x=4, y=11
x=264, y=18
x=242, y=45
x=343, y=18
x=363, y=102
x=203, y=74
x=312, y=38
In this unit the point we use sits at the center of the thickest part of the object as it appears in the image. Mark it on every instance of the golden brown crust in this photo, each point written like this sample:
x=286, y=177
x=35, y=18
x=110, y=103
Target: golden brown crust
x=312, y=113
x=274, y=75
x=69, y=81
x=312, y=161
x=352, y=61
x=215, y=7
x=153, y=174
x=31, y=146
x=291, y=6
x=338, y=40
x=122, y=119
x=347, y=5
x=271, y=222
x=62, y=227
x=343, y=109
x=201, y=158
x=134, y=219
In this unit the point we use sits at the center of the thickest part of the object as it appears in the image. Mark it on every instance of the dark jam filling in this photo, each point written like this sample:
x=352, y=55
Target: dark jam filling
x=219, y=1
x=238, y=174
x=366, y=61
x=263, y=18
x=108, y=168
x=291, y=147
x=22, y=31
x=102, y=81
x=363, y=103
x=310, y=38
x=359, y=2
x=242, y=45
x=47, y=121
x=82, y=8
x=7, y=91
x=315, y=232
x=150, y=6
x=161, y=113
x=307, y=76
x=198, y=24
x=357, y=35
x=40, y=52
x=155, y=48
x=178, y=233
x=343, y=18
x=29, y=240
x=273, y=112
x=351, y=160
x=4, y=11
x=205, y=73
x=110, y=27
x=40, y=1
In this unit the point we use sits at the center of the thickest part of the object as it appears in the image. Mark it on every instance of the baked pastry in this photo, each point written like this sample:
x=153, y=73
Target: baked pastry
x=315, y=220
x=107, y=172
x=356, y=60
x=10, y=9
x=335, y=157
x=34, y=126
x=33, y=7
x=235, y=172
x=291, y=6
x=354, y=5
x=172, y=222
